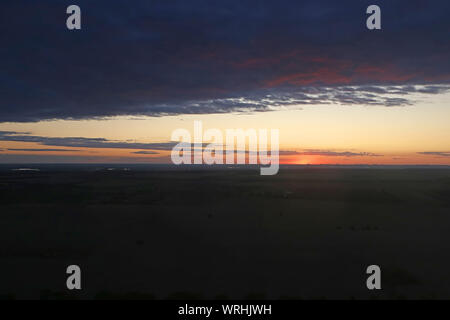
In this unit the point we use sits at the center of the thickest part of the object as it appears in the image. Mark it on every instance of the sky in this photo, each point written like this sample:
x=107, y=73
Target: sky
x=115, y=90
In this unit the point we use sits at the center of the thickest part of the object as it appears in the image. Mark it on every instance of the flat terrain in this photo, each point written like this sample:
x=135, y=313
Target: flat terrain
x=227, y=233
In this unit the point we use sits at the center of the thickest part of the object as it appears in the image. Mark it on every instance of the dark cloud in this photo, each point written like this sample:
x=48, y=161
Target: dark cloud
x=436, y=153
x=327, y=153
x=82, y=142
x=214, y=56
x=147, y=148
x=288, y=153
x=45, y=158
x=43, y=150
x=145, y=152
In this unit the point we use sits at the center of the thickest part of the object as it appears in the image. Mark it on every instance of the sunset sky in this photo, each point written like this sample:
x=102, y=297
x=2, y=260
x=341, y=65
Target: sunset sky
x=114, y=91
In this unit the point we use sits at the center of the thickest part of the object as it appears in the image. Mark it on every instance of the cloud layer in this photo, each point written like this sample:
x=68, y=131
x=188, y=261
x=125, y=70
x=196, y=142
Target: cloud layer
x=42, y=150
x=81, y=142
x=151, y=148
x=436, y=153
x=327, y=153
x=210, y=56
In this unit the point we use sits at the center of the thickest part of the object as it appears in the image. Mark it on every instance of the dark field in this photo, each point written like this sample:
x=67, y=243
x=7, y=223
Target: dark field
x=306, y=233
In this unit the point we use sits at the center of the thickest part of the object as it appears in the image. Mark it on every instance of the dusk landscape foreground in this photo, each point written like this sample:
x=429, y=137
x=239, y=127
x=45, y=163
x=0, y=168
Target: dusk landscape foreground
x=166, y=232
x=225, y=151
